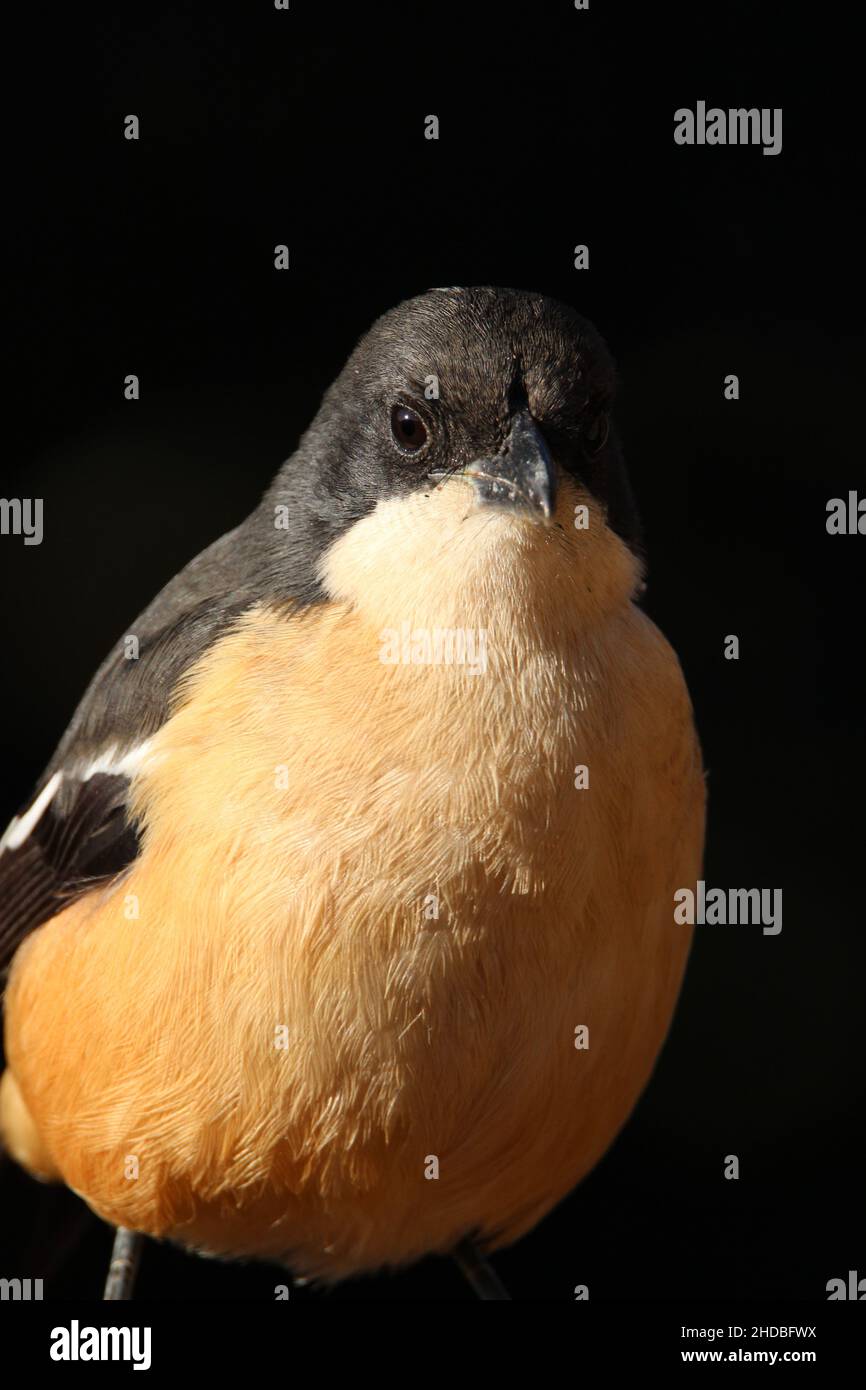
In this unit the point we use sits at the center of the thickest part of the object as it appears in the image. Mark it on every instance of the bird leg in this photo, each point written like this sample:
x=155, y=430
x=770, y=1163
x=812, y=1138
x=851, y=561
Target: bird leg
x=125, y=1255
x=479, y=1273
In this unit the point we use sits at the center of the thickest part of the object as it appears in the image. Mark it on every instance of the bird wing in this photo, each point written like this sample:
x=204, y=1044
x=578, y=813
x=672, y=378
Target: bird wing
x=75, y=832
x=56, y=849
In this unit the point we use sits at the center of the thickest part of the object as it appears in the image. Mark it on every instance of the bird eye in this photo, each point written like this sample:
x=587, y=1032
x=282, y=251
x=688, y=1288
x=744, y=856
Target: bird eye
x=408, y=429
x=596, y=435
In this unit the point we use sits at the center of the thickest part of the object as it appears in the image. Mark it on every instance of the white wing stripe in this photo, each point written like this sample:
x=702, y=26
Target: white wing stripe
x=21, y=826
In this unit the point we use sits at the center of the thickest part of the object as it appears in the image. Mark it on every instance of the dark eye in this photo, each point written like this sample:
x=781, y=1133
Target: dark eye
x=408, y=429
x=595, y=436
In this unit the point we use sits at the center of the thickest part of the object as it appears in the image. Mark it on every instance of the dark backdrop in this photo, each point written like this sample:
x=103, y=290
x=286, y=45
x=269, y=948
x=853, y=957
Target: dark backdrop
x=156, y=258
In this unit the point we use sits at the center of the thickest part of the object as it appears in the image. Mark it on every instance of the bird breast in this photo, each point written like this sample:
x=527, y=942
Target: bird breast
x=388, y=968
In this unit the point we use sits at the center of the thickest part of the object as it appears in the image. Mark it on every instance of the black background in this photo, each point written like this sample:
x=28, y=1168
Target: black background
x=156, y=257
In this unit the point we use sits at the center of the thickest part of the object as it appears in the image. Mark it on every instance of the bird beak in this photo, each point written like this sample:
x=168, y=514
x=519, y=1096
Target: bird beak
x=522, y=475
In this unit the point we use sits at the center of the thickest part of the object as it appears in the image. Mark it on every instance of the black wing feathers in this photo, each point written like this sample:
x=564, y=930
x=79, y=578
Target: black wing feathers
x=65, y=855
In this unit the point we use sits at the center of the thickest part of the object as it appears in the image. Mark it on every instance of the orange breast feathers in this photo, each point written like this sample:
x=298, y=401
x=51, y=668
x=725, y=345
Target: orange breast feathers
x=335, y=1011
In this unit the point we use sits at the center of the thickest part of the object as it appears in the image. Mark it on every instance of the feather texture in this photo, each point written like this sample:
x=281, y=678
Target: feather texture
x=281, y=1038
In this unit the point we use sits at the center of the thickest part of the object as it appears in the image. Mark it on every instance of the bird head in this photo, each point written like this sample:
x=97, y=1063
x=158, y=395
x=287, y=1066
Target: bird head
x=466, y=458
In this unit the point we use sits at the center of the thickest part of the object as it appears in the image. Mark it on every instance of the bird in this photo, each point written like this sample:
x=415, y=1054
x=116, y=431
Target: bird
x=339, y=928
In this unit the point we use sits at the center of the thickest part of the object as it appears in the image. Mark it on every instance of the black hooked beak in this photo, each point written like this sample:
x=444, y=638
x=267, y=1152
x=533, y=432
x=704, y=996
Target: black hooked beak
x=523, y=474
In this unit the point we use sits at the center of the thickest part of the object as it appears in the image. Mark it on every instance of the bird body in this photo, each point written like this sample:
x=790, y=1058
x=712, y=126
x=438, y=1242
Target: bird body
x=327, y=1011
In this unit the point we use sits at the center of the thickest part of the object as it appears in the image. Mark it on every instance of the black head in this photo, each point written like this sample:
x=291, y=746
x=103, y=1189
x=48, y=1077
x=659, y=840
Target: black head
x=437, y=384
x=454, y=403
